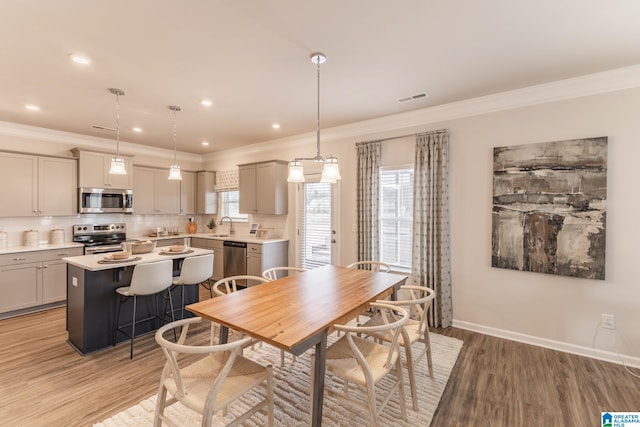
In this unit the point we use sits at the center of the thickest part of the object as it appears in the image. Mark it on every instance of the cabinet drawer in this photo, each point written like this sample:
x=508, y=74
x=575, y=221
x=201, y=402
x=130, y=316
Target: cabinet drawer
x=170, y=242
x=253, y=248
x=197, y=242
x=58, y=254
x=20, y=258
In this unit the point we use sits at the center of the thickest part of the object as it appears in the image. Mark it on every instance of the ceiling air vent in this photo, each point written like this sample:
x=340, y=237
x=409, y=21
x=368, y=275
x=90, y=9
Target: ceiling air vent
x=103, y=128
x=413, y=97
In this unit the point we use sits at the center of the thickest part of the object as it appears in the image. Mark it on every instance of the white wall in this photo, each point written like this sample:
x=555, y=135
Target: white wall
x=551, y=307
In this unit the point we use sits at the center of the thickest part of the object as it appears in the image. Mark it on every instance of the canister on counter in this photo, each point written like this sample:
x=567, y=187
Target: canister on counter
x=31, y=238
x=57, y=236
x=4, y=239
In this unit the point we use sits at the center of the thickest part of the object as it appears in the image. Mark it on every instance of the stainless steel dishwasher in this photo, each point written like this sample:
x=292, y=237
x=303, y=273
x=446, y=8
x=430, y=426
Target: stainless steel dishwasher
x=235, y=258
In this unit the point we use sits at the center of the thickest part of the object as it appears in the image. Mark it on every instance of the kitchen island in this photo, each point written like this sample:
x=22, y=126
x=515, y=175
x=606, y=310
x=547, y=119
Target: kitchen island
x=92, y=302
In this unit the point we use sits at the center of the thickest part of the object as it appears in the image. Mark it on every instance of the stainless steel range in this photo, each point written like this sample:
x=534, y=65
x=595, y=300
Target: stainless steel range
x=100, y=238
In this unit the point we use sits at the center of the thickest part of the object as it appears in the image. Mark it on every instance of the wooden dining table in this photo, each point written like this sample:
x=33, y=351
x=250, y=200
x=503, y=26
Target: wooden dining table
x=298, y=312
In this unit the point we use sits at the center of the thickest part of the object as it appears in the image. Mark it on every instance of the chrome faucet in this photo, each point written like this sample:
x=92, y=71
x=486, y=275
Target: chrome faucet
x=230, y=224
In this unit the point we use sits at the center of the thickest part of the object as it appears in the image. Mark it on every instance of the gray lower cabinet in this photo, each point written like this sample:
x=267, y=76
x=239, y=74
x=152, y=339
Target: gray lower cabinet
x=261, y=256
x=218, y=258
x=32, y=279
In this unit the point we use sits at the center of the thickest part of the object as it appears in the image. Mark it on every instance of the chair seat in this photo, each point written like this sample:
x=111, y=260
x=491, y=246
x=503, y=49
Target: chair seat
x=412, y=327
x=124, y=291
x=341, y=362
x=200, y=376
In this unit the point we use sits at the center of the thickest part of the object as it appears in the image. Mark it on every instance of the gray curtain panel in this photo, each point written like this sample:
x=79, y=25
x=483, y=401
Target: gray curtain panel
x=368, y=200
x=431, y=264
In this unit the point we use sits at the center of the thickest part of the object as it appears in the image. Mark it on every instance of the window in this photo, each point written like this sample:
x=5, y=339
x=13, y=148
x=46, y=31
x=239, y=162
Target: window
x=396, y=217
x=230, y=206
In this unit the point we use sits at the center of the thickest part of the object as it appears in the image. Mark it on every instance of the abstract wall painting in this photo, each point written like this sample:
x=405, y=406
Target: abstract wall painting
x=549, y=207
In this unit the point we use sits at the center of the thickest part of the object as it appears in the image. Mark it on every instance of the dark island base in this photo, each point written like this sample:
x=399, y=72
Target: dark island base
x=92, y=304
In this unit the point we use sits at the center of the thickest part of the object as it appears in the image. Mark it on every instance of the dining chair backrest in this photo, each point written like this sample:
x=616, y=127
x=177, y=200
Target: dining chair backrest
x=230, y=284
x=195, y=269
x=394, y=317
x=278, y=272
x=212, y=382
x=418, y=300
x=378, y=266
x=151, y=278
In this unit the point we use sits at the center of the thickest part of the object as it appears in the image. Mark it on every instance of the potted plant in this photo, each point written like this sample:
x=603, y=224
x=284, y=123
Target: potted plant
x=211, y=225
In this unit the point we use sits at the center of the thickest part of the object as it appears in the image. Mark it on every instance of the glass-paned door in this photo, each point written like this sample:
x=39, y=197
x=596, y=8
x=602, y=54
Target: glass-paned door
x=317, y=224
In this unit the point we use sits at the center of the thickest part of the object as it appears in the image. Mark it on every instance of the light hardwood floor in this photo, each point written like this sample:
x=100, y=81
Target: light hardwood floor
x=44, y=382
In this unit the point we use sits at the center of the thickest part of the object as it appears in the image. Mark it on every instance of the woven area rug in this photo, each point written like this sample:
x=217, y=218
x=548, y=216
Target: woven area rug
x=292, y=394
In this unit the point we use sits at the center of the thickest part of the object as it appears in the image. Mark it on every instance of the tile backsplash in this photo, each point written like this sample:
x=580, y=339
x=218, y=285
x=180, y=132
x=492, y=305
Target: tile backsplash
x=137, y=225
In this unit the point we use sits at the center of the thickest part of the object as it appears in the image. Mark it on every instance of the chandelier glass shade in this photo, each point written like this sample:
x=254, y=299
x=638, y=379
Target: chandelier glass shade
x=117, y=162
x=331, y=169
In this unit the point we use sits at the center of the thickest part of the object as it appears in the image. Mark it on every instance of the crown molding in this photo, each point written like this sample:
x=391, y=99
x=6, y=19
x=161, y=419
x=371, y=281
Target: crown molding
x=88, y=142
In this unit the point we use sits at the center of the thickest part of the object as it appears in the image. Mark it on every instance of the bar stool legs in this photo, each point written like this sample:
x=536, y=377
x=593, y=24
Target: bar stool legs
x=120, y=328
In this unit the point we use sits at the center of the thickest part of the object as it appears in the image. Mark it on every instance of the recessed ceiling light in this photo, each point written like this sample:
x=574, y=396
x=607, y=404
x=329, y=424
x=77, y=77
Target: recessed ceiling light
x=205, y=143
x=32, y=107
x=276, y=125
x=80, y=59
x=136, y=129
x=206, y=102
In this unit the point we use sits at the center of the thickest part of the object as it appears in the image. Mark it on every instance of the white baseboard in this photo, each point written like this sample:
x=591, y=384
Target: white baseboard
x=593, y=353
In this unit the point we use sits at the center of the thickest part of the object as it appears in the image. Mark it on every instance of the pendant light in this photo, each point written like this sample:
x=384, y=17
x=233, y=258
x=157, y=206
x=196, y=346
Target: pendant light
x=331, y=169
x=174, y=170
x=117, y=162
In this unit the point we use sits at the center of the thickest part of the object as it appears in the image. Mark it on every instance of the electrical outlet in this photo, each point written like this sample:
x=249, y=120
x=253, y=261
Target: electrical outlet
x=608, y=321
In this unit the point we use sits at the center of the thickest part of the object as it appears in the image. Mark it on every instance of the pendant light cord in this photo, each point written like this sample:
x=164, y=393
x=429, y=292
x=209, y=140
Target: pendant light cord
x=318, y=117
x=174, y=137
x=117, y=125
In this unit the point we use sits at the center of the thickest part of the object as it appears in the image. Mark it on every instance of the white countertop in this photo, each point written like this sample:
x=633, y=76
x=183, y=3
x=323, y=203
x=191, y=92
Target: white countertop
x=90, y=262
x=232, y=237
x=42, y=247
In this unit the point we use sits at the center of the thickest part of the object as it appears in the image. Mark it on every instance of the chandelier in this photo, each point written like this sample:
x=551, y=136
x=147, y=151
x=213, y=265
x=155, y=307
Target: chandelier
x=117, y=162
x=331, y=170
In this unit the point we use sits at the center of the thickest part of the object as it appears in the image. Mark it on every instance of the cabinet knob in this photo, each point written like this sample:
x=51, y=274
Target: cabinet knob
x=63, y=254
x=19, y=259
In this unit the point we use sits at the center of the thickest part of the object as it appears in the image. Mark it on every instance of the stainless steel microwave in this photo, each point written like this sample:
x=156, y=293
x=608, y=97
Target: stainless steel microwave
x=105, y=200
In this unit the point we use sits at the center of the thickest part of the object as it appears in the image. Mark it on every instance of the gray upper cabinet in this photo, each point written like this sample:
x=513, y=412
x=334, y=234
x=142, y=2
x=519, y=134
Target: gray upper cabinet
x=264, y=188
x=154, y=193
x=93, y=171
x=207, y=197
x=38, y=185
x=188, y=193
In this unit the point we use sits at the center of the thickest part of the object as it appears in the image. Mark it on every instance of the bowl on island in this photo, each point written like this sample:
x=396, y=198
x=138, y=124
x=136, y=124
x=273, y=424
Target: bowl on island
x=120, y=255
x=176, y=248
x=143, y=247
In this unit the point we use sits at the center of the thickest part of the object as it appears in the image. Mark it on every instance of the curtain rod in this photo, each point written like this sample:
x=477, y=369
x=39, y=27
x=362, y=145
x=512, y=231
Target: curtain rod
x=402, y=136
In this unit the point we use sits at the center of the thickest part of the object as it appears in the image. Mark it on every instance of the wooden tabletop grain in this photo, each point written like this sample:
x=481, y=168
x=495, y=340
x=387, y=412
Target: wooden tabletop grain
x=289, y=312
